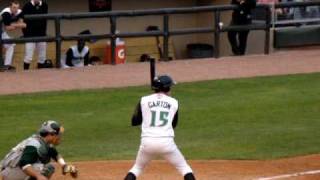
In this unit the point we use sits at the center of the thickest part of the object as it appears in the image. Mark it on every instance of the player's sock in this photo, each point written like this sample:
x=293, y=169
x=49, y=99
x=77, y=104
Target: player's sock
x=130, y=176
x=189, y=176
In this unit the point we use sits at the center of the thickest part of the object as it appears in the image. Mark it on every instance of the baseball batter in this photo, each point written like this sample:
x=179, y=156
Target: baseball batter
x=30, y=159
x=158, y=116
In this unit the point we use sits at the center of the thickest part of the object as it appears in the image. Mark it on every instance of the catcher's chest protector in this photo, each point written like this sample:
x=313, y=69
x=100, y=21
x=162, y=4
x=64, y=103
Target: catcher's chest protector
x=13, y=157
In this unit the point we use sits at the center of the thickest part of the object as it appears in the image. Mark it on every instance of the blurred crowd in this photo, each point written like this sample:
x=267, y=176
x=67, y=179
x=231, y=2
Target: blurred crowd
x=247, y=12
x=294, y=13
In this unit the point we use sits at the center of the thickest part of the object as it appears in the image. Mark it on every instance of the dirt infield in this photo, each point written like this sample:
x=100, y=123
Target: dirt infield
x=292, y=62
x=207, y=170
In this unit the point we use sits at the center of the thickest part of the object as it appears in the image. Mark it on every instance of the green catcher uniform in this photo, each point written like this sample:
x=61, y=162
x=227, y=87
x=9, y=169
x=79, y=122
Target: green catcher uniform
x=34, y=152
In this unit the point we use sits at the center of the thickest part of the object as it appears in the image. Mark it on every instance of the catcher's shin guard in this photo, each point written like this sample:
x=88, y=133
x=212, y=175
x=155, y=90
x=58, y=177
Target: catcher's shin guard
x=189, y=176
x=48, y=170
x=130, y=176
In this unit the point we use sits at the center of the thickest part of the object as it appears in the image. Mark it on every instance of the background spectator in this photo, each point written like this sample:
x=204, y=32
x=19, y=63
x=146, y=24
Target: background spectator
x=310, y=11
x=78, y=55
x=12, y=19
x=35, y=28
x=299, y=12
x=271, y=2
x=313, y=11
x=241, y=16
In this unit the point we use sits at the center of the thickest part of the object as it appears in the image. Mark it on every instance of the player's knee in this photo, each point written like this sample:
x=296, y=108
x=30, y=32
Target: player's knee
x=130, y=176
x=189, y=176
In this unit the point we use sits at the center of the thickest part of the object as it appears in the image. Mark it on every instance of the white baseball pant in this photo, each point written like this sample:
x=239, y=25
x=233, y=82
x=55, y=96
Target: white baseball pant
x=165, y=147
x=40, y=47
x=9, y=49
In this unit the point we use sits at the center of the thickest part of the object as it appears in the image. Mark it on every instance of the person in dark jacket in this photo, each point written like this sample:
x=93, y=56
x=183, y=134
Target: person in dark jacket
x=35, y=28
x=240, y=16
x=12, y=20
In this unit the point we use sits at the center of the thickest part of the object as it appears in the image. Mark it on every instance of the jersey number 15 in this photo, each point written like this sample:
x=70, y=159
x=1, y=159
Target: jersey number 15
x=161, y=117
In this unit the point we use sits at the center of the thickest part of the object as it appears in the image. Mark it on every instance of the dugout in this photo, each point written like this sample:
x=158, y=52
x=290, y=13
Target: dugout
x=190, y=21
x=297, y=36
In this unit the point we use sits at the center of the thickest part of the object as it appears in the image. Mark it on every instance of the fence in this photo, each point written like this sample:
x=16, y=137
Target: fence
x=166, y=32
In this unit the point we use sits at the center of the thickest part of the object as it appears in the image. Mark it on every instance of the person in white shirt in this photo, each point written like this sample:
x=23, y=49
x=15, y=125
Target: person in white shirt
x=78, y=55
x=158, y=116
x=12, y=18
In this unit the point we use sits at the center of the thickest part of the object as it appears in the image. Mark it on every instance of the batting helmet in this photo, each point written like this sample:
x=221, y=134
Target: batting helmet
x=162, y=83
x=50, y=127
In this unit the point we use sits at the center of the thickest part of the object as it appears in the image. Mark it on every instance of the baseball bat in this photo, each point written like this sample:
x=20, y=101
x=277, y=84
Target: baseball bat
x=152, y=70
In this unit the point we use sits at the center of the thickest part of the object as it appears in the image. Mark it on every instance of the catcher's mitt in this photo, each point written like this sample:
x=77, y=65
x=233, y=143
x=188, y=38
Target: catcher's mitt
x=70, y=169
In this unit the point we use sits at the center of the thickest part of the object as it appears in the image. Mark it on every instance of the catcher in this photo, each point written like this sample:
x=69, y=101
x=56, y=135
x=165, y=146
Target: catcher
x=30, y=159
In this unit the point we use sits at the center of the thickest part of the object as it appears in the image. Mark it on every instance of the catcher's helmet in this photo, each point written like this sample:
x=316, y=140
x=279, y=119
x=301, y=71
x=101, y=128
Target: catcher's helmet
x=162, y=83
x=50, y=127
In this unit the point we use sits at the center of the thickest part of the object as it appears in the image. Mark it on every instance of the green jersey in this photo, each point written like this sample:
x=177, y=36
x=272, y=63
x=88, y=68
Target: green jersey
x=30, y=151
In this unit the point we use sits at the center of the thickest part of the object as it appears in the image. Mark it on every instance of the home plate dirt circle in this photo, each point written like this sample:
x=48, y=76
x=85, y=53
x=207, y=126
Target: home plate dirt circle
x=298, y=168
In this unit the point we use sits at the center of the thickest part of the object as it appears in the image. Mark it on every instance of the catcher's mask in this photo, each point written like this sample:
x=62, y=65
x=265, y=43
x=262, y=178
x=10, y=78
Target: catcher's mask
x=162, y=83
x=50, y=127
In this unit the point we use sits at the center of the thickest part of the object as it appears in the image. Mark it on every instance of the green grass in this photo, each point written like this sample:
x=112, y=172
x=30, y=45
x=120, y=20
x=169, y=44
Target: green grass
x=254, y=118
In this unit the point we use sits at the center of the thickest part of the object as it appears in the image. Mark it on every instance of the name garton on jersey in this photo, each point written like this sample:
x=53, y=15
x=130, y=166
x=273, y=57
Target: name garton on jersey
x=162, y=104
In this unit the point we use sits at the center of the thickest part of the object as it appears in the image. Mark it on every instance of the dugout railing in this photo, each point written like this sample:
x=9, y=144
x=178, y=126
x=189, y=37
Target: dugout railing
x=166, y=32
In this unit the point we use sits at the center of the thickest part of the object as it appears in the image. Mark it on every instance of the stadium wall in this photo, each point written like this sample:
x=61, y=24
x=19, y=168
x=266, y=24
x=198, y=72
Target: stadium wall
x=255, y=39
x=140, y=23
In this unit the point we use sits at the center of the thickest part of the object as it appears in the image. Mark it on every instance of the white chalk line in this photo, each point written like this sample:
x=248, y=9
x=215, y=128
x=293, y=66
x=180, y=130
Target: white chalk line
x=291, y=175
